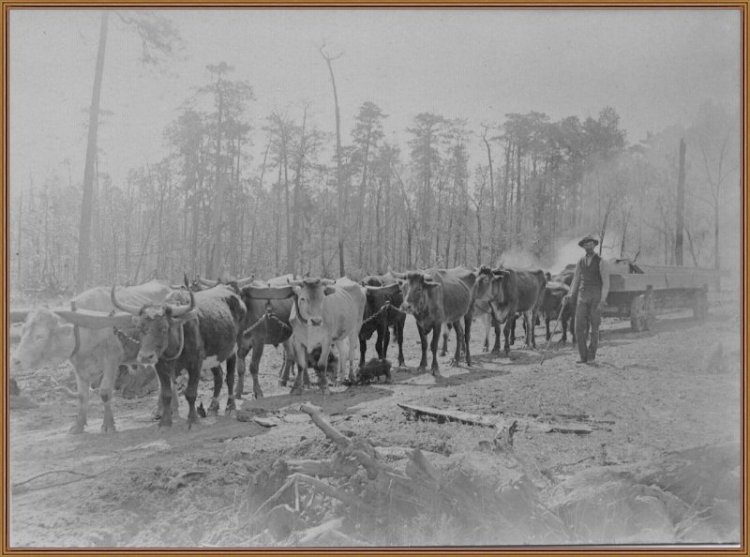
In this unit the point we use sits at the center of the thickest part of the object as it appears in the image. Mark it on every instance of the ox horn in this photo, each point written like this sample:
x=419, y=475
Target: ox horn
x=246, y=281
x=134, y=310
x=208, y=283
x=398, y=275
x=179, y=310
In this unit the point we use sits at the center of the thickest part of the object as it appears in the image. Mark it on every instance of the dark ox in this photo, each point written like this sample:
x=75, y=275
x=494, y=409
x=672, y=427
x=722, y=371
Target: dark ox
x=384, y=298
x=552, y=304
x=269, y=308
x=326, y=313
x=49, y=338
x=176, y=337
x=509, y=293
x=436, y=297
x=260, y=328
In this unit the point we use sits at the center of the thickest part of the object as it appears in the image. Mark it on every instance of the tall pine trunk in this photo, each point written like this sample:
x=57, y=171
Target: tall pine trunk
x=84, y=233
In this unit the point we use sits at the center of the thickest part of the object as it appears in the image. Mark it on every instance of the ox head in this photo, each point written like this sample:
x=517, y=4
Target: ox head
x=42, y=342
x=159, y=325
x=47, y=335
x=489, y=291
x=310, y=293
x=418, y=289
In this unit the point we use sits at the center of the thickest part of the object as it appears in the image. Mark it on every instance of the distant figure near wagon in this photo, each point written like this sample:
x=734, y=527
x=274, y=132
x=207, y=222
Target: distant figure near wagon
x=591, y=284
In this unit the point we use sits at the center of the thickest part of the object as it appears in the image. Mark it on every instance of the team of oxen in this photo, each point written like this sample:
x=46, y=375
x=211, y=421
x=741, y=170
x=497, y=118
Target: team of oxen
x=319, y=322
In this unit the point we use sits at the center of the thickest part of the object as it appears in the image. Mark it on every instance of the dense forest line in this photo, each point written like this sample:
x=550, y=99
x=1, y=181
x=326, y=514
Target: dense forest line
x=239, y=193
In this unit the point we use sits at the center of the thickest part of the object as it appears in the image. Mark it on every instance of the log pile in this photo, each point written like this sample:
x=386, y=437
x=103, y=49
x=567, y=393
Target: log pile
x=356, y=498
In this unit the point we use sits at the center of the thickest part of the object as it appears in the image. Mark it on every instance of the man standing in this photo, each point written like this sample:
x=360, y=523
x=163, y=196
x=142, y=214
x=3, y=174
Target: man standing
x=591, y=284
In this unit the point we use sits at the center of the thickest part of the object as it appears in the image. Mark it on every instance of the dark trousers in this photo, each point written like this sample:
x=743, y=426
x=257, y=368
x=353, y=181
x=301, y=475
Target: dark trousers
x=587, y=313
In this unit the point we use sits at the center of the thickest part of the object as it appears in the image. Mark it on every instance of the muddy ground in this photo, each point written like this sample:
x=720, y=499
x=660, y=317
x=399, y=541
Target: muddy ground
x=654, y=395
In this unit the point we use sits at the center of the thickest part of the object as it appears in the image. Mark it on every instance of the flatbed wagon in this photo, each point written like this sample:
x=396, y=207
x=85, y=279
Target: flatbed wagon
x=640, y=292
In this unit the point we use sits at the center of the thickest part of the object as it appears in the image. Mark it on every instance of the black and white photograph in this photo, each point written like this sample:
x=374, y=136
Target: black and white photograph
x=375, y=277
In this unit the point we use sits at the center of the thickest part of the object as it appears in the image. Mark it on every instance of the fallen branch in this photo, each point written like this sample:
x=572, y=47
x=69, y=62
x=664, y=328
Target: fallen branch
x=327, y=428
x=309, y=535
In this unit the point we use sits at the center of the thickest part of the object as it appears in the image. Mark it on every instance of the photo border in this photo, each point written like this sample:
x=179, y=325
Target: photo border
x=534, y=551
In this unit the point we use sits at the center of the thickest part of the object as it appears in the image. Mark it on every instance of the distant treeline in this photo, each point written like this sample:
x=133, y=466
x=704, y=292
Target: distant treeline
x=209, y=208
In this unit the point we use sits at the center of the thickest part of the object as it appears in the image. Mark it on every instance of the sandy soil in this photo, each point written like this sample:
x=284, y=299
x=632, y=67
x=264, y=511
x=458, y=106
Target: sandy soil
x=669, y=389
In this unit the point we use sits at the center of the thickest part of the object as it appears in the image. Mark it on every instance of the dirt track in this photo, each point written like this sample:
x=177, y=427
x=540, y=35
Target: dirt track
x=652, y=393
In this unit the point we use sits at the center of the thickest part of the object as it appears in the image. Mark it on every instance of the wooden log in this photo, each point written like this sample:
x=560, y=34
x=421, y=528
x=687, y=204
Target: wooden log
x=311, y=534
x=327, y=428
x=496, y=421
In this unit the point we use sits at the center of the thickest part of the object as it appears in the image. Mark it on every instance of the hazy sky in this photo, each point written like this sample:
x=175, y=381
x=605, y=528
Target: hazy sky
x=655, y=67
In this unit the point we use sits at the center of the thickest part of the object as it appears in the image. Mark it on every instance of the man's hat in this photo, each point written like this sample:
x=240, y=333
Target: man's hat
x=588, y=239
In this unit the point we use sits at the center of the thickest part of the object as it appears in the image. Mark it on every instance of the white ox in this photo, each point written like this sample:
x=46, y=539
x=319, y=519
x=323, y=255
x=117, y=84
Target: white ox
x=326, y=313
x=49, y=339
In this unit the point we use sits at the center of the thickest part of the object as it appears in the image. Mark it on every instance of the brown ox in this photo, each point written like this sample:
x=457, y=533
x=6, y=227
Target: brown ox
x=325, y=313
x=176, y=337
x=511, y=292
x=49, y=338
x=436, y=297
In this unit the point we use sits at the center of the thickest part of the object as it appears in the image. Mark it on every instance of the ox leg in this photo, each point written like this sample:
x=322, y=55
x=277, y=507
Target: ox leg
x=486, y=319
x=400, y=340
x=231, y=365
x=353, y=357
x=433, y=347
x=362, y=349
x=164, y=372
x=528, y=326
x=288, y=364
x=547, y=319
x=255, y=366
x=105, y=391
x=496, y=326
x=300, y=354
x=191, y=392
x=423, y=342
x=444, y=349
x=380, y=340
x=386, y=342
x=213, y=409
x=533, y=317
x=242, y=353
x=459, y=343
x=467, y=336
x=509, y=324
x=83, y=403
x=322, y=370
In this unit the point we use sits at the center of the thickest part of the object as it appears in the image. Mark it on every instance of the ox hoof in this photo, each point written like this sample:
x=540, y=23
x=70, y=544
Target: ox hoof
x=258, y=394
x=165, y=422
x=213, y=409
x=77, y=428
x=109, y=428
x=454, y=363
x=230, y=408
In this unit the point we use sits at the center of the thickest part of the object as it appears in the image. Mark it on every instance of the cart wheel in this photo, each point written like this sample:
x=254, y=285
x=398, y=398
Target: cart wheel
x=638, y=316
x=700, y=304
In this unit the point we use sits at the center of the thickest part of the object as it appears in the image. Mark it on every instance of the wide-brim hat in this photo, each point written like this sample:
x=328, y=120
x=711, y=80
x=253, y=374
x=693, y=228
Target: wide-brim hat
x=588, y=239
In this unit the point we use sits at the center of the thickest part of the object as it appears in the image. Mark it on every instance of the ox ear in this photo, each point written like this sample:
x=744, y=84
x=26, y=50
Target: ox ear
x=329, y=290
x=96, y=319
x=500, y=273
x=431, y=283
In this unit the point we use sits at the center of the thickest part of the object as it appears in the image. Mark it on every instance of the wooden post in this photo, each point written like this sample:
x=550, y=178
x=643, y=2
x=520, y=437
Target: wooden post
x=680, y=207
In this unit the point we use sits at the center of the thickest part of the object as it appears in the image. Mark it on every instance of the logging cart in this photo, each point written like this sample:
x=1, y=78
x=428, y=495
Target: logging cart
x=640, y=291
